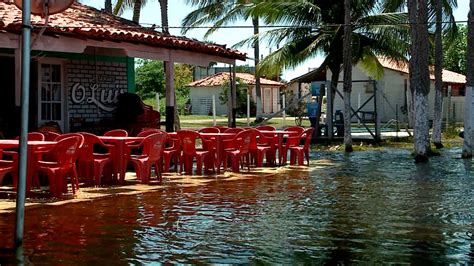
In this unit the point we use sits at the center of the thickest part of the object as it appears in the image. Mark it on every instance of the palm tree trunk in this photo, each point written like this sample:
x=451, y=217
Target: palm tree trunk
x=258, y=90
x=108, y=6
x=347, y=55
x=419, y=78
x=164, y=17
x=469, y=98
x=438, y=104
x=335, y=71
x=137, y=6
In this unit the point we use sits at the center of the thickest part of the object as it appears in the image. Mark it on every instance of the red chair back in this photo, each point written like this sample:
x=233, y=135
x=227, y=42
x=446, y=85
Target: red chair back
x=86, y=153
x=153, y=146
x=209, y=130
x=221, y=128
x=296, y=129
x=150, y=131
x=266, y=127
x=116, y=133
x=67, y=150
x=308, y=134
x=244, y=139
x=50, y=135
x=257, y=137
x=234, y=130
x=67, y=135
x=38, y=136
x=187, y=140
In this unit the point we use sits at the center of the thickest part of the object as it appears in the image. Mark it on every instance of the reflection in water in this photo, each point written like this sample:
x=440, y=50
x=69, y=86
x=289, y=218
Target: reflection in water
x=363, y=207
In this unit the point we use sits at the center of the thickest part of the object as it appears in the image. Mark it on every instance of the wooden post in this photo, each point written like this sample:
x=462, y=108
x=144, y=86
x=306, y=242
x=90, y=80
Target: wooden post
x=248, y=109
x=157, y=97
x=329, y=111
x=377, y=113
x=234, y=95
x=284, y=106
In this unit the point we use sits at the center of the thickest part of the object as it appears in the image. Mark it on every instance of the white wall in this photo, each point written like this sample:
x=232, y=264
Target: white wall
x=201, y=100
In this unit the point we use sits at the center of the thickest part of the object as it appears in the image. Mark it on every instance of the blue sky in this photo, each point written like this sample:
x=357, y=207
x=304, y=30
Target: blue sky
x=178, y=10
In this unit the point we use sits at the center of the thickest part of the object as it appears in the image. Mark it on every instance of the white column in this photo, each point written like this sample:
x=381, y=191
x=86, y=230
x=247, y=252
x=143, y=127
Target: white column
x=157, y=97
x=284, y=106
x=248, y=109
x=214, y=122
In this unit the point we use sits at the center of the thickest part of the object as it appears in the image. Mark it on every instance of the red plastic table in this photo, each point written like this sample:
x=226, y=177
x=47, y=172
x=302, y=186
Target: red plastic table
x=278, y=135
x=34, y=147
x=122, y=152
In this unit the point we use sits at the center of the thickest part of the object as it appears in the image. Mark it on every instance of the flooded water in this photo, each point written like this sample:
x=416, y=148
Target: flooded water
x=368, y=207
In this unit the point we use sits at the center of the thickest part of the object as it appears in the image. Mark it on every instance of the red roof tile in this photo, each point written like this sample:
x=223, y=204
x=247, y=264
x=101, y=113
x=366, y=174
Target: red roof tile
x=220, y=78
x=448, y=76
x=84, y=21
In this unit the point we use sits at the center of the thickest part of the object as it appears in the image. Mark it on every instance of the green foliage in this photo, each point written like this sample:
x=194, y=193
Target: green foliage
x=149, y=78
x=241, y=98
x=455, y=51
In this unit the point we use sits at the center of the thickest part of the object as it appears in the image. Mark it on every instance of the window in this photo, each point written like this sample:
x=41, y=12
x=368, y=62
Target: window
x=50, y=94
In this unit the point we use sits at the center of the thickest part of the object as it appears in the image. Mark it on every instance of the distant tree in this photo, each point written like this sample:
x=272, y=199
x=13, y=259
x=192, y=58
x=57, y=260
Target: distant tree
x=149, y=78
x=245, y=69
x=454, y=57
x=242, y=91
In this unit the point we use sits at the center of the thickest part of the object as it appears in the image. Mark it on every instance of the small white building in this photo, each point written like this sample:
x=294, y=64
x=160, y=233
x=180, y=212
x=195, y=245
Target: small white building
x=201, y=92
x=393, y=92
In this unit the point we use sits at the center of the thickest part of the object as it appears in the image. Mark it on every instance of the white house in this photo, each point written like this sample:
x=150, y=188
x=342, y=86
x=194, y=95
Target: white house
x=393, y=92
x=201, y=92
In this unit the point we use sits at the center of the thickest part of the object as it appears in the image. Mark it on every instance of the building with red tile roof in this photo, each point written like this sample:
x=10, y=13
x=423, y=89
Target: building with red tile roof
x=201, y=92
x=82, y=59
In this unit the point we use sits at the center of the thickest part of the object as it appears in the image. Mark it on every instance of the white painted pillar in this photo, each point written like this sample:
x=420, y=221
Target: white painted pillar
x=248, y=109
x=284, y=106
x=468, y=144
x=214, y=122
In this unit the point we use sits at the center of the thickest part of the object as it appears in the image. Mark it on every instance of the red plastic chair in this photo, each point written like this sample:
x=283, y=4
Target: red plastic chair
x=152, y=151
x=209, y=130
x=91, y=164
x=221, y=128
x=266, y=127
x=116, y=133
x=149, y=131
x=50, y=135
x=7, y=166
x=189, y=151
x=301, y=151
x=297, y=129
x=171, y=153
x=234, y=130
x=57, y=171
x=241, y=151
x=259, y=147
x=38, y=136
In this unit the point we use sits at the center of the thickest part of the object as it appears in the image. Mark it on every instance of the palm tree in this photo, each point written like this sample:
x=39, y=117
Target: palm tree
x=438, y=57
x=419, y=75
x=164, y=16
x=221, y=13
x=316, y=28
x=108, y=6
x=469, y=98
x=347, y=57
x=137, y=5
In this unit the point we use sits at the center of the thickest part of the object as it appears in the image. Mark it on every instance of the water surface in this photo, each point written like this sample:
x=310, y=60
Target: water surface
x=365, y=207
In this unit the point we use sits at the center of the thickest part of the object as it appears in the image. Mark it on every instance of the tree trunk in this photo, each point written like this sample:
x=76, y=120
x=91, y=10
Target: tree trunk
x=335, y=71
x=258, y=89
x=108, y=6
x=347, y=55
x=469, y=98
x=137, y=6
x=438, y=104
x=419, y=76
x=164, y=17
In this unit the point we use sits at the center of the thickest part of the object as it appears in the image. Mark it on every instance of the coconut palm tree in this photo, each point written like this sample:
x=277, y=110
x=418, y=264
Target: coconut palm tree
x=438, y=57
x=108, y=6
x=469, y=98
x=419, y=75
x=136, y=5
x=221, y=13
x=347, y=57
x=315, y=27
